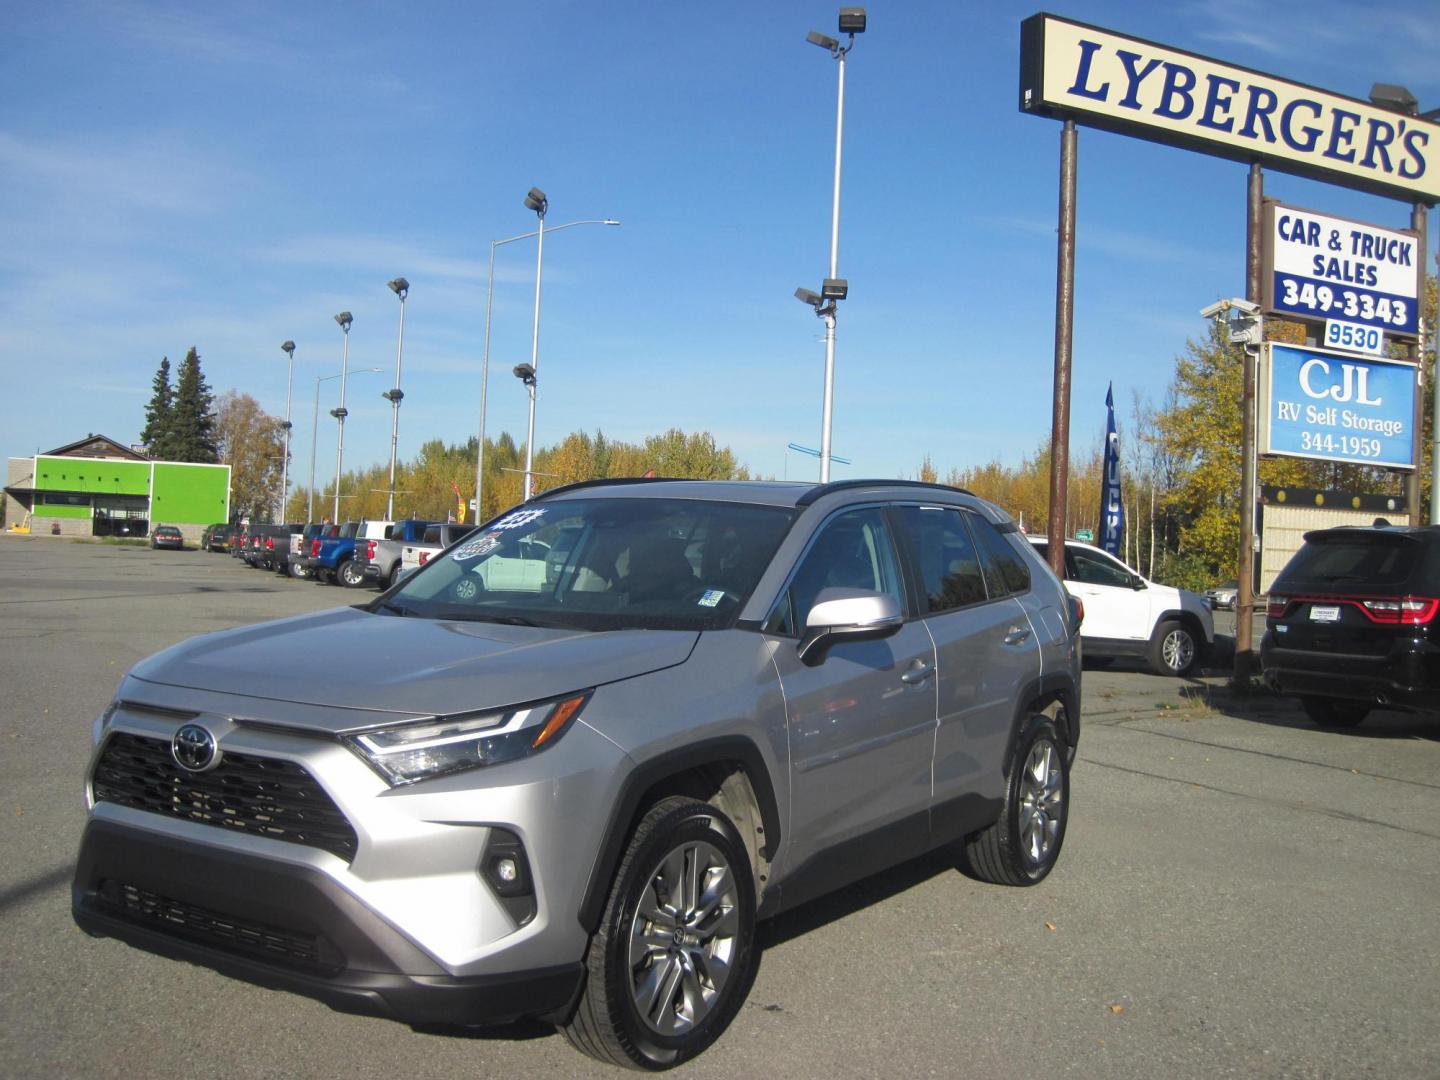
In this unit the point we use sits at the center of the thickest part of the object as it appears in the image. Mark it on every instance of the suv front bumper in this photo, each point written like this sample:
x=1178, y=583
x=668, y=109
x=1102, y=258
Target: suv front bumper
x=288, y=927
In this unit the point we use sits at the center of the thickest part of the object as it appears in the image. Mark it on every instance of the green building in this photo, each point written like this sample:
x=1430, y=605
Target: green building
x=99, y=487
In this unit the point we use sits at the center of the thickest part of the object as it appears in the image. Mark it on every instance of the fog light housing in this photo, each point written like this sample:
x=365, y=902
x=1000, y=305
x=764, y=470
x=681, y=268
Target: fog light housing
x=506, y=871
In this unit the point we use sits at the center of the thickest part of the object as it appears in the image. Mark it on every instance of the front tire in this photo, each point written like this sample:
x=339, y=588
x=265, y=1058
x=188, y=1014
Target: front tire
x=1173, y=650
x=1330, y=712
x=1021, y=847
x=673, y=959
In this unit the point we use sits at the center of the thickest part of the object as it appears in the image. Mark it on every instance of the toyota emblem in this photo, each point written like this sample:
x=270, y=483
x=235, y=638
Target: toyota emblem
x=194, y=749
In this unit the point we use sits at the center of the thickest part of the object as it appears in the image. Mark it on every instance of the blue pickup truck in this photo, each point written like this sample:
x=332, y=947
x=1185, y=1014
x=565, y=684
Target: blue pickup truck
x=332, y=557
x=379, y=560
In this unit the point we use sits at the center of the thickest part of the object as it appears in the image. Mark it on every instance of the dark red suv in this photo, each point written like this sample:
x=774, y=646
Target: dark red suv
x=1353, y=622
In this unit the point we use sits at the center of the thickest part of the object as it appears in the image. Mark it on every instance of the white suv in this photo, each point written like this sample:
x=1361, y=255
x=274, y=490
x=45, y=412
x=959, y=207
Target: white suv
x=1126, y=615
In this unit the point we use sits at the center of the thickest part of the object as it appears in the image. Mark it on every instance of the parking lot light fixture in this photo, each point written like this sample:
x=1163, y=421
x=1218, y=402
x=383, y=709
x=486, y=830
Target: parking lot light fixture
x=537, y=202
x=344, y=319
x=851, y=22
x=288, y=348
x=485, y=349
x=314, y=436
x=401, y=288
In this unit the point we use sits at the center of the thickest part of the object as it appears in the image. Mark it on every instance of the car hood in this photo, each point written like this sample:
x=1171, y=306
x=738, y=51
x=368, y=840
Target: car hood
x=350, y=659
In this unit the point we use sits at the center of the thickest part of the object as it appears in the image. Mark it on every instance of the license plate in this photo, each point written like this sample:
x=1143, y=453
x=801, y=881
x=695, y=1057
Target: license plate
x=1328, y=613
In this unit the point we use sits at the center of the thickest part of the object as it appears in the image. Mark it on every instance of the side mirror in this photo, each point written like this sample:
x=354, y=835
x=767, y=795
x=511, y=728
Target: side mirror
x=1137, y=583
x=850, y=615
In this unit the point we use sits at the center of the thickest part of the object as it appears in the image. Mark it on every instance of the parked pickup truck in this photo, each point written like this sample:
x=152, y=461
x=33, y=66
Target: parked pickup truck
x=436, y=538
x=379, y=560
x=332, y=558
x=268, y=543
x=292, y=560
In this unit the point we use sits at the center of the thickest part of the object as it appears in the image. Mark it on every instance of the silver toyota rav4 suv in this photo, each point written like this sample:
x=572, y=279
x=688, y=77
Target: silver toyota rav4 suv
x=562, y=770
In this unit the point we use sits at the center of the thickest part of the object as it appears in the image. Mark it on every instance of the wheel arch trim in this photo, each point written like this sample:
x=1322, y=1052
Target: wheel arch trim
x=646, y=776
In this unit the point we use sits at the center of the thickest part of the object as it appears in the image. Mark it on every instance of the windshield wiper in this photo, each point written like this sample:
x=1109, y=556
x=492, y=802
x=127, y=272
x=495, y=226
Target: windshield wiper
x=385, y=605
x=507, y=620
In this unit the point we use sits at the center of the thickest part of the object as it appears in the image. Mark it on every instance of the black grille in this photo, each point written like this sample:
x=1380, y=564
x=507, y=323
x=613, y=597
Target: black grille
x=207, y=927
x=257, y=795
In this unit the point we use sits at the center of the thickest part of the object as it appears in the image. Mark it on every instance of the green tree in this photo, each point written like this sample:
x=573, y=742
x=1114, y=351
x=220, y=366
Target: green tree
x=252, y=443
x=193, y=416
x=158, y=414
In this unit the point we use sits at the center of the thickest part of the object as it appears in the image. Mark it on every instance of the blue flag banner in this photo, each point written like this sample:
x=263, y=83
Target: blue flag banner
x=1112, y=507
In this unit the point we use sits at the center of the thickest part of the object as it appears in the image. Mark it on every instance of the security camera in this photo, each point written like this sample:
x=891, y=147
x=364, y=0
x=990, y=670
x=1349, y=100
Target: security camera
x=1222, y=308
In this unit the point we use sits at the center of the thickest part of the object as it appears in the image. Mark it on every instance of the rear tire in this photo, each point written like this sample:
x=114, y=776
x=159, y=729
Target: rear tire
x=1330, y=712
x=350, y=574
x=1173, y=649
x=673, y=959
x=1021, y=847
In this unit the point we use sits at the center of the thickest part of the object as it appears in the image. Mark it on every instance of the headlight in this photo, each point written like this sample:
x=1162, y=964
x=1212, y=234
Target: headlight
x=403, y=755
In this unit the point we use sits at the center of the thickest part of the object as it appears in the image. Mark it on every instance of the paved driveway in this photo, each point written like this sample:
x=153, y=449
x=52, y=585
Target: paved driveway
x=1240, y=894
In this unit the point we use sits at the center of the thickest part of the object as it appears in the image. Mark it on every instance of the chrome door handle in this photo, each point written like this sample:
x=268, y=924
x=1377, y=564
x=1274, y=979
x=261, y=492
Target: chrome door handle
x=918, y=674
x=1016, y=635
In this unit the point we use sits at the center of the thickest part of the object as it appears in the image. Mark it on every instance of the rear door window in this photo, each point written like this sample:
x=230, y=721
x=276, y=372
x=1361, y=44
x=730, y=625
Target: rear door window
x=950, y=572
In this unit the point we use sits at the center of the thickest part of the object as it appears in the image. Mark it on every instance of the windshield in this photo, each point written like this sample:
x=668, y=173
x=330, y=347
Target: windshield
x=601, y=564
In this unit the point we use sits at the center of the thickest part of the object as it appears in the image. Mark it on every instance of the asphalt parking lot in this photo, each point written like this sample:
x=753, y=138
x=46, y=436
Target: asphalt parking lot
x=1240, y=893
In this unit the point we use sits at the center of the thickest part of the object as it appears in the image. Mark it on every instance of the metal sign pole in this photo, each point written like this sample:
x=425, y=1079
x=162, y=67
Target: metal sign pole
x=1418, y=220
x=1245, y=595
x=1064, y=338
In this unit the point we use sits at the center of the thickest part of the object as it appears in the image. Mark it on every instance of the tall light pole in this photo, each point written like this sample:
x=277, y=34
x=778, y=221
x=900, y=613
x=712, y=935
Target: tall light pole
x=314, y=436
x=534, y=200
x=344, y=319
x=289, y=349
x=852, y=22
x=401, y=288
x=485, y=358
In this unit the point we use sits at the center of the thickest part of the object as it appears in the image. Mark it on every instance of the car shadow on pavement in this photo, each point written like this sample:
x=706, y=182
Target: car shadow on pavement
x=41, y=883
x=855, y=897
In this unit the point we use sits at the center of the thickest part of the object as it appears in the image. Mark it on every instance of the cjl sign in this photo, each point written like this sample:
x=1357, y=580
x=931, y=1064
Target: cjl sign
x=1336, y=407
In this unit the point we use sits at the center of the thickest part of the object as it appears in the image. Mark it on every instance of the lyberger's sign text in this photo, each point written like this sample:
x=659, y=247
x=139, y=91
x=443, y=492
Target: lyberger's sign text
x=1155, y=92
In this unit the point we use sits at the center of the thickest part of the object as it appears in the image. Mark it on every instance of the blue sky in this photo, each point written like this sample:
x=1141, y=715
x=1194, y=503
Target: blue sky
x=230, y=176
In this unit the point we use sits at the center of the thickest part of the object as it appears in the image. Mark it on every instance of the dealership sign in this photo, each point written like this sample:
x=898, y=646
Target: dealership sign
x=1069, y=70
x=1336, y=407
x=1321, y=267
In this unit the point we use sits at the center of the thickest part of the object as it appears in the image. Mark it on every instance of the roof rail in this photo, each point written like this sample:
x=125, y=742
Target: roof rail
x=609, y=480
x=819, y=491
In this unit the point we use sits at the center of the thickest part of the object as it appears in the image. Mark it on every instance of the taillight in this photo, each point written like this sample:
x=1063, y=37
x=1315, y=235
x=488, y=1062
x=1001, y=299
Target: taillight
x=1276, y=606
x=424, y=557
x=370, y=551
x=1408, y=611
x=269, y=543
x=314, y=549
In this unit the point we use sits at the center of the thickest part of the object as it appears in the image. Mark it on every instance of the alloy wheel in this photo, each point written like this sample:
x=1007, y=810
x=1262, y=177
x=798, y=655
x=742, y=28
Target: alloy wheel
x=1042, y=801
x=683, y=938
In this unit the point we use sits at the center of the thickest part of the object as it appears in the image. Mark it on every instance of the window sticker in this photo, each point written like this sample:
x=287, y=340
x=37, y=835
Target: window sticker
x=711, y=597
x=518, y=518
x=475, y=549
